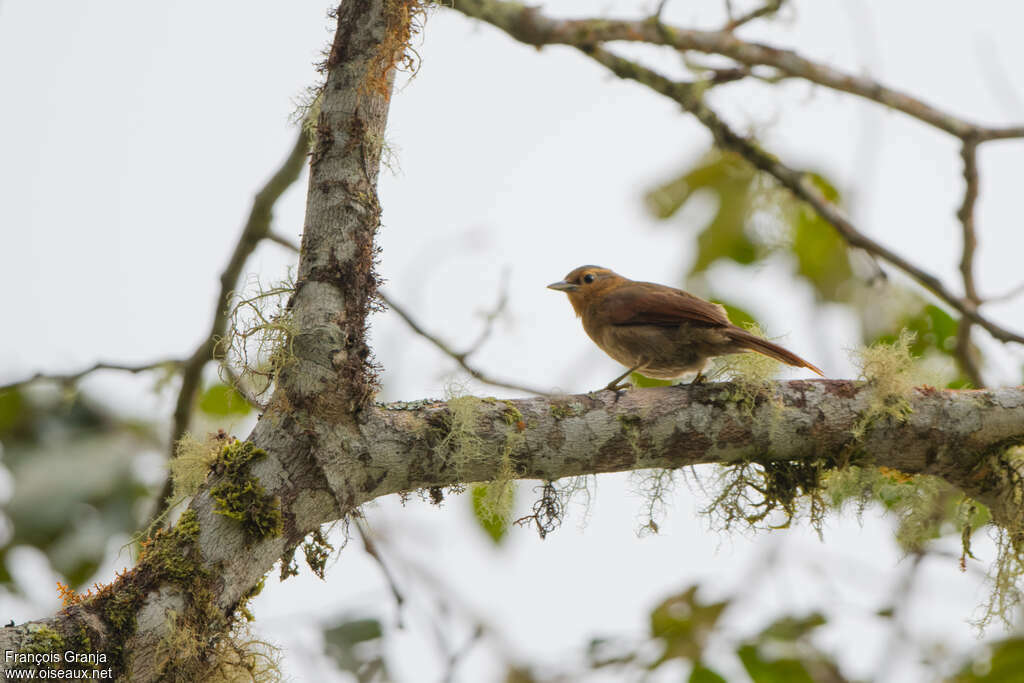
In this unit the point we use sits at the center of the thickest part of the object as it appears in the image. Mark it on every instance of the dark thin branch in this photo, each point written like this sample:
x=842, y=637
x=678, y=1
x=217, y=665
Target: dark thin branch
x=458, y=357
x=491, y=317
x=257, y=227
x=534, y=28
x=1006, y=296
x=72, y=377
x=371, y=549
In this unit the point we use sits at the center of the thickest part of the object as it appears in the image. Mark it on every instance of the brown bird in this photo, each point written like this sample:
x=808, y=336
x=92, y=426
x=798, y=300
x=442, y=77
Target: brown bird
x=658, y=331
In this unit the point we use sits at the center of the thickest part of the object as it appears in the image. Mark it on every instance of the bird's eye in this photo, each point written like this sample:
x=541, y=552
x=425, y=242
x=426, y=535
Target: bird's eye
x=588, y=278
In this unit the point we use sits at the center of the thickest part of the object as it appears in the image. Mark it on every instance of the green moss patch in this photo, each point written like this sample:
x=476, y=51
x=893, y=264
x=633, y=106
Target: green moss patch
x=240, y=496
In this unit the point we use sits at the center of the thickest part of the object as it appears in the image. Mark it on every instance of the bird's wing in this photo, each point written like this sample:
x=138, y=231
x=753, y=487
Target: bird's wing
x=657, y=305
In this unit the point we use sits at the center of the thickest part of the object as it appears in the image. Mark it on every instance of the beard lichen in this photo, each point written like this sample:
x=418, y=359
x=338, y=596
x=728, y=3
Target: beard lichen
x=466, y=450
x=655, y=487
x=749, y=376
x=889, y=372
x=258, y=344
x=768, y=495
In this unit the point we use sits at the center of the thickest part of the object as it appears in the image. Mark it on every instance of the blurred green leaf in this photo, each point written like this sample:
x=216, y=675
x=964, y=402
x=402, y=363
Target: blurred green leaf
x=789, y=628
x=80, y=461
x=12, y=410
x=702, y=674
x=494, y=525
x=638, y=380
x=221, y=400
x=684, y=623
x=355, y=645
x=763, y=670
x=933, y=329
x=1005, y=665
x=738, y=316
x=731, y=179
x=822, y=257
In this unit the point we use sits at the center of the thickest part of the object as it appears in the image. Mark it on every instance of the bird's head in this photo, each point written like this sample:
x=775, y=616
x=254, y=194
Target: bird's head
x=585, y=283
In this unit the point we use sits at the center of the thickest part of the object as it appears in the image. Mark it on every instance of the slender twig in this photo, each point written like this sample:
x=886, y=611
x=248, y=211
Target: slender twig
x=770, y=7
x=969, y=153
x=257, y=227
x=1006, y=296
x=490, y=317
x=528, y=25
x=285, y=242
x=371, y=549
x=458, y=357
x=964, y=355
x=72, y=377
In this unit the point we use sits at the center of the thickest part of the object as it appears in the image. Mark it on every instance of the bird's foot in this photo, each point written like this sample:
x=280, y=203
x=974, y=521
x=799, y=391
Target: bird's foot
x=699, y=379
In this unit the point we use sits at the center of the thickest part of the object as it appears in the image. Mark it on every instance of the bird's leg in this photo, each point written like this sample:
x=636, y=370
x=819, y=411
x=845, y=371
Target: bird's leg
x=614, y=384
x=699, y=378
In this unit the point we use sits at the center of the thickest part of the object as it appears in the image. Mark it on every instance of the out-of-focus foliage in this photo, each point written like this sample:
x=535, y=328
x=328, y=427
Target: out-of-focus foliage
x=356, y=646
x=1002, y=662
x=221, y=400
x=494, y=525
x=73, y=478
x=755, y=221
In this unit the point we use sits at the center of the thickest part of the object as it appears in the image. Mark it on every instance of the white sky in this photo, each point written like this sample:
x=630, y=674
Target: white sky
x=132, y=136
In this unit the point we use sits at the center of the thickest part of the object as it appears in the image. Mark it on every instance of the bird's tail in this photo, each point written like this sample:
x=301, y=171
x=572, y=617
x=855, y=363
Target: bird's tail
x=751, y=341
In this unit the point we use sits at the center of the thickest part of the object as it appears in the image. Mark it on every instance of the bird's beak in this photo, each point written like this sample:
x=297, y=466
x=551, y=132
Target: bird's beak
x=563, y=286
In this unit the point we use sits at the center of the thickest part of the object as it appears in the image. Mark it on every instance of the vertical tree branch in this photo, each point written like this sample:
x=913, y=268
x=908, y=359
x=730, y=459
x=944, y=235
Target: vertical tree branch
x=257, y=227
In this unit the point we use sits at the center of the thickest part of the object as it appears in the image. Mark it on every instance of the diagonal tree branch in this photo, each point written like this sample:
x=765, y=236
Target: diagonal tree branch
x=534, y=28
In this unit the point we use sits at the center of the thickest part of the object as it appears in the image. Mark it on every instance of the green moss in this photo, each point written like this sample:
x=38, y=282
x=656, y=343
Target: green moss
x=42, y=640
x=630, y=426
x=243, y=604
x=513, y=417
x=561, y=411
x=240, y=496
